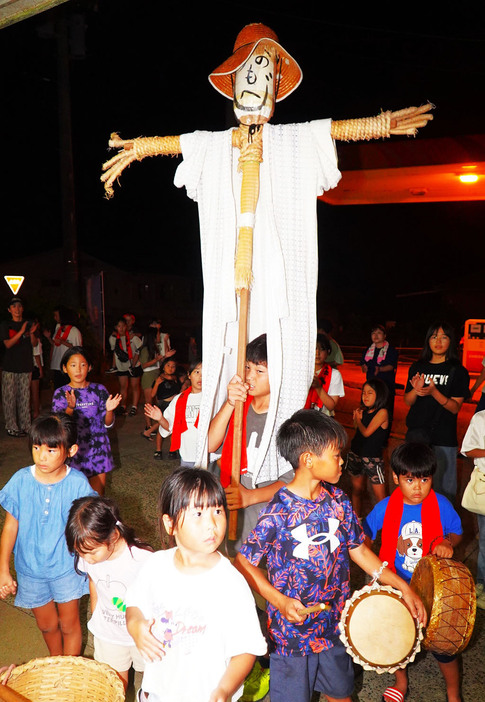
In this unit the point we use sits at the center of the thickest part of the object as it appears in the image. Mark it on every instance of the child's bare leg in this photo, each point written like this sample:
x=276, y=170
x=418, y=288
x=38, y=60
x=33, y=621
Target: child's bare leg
x=98, y=483
x=70, y=627
x=123, y=379
x=47, y=619
x=124, y=677
x=358, y=487
x=159, y=441
x=338, y=699
x=401, y=683
x=451, y=674
x=379, y=491
x=135, y=391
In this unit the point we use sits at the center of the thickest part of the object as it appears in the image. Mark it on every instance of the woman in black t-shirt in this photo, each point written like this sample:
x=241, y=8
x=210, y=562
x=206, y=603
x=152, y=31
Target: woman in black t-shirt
x=436, y=388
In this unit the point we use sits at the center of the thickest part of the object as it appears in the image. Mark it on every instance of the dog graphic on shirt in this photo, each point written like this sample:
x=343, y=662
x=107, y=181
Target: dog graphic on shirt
x=410, y=545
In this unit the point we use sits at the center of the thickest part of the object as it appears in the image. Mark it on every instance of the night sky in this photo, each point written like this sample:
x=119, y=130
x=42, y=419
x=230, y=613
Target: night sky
x=140, y=68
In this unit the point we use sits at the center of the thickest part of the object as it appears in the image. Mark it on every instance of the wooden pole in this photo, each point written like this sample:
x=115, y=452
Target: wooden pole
x=239, y=408
x=250, y=143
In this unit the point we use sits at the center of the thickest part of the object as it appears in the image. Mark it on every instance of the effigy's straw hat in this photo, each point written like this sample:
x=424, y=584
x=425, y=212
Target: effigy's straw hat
x=290, y=73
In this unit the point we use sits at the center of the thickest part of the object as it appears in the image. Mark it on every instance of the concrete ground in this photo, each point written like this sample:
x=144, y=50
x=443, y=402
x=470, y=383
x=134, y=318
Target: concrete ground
x=135, y=484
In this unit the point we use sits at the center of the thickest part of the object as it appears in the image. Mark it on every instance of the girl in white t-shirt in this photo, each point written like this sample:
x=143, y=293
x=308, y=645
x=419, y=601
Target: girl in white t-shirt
x=190, y=612
x=109, y=552
x=181, y=418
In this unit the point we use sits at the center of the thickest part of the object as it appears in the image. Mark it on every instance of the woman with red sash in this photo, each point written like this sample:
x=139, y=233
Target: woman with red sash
x=327, y=386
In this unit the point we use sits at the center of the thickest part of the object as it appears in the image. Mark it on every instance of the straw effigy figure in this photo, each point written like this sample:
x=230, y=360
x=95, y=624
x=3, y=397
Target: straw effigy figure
x=256, y=187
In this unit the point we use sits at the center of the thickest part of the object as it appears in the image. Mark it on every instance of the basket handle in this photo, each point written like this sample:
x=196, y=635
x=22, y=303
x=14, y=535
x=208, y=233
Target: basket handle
x=9, y=695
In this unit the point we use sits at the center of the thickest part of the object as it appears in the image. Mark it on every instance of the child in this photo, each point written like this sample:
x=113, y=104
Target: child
x=109, y=552
x=474, y=447
x=165, y=388
x=327, y=385
x=93, y=409
x=126, y=349
x=181, y=417
x=189, y=611
x=364, y=459
x=306, y=534
x=37, y=500
x=415, y=513
x=251, y=495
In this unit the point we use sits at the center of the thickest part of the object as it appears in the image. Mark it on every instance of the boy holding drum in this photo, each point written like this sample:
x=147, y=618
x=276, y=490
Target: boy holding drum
x=306, y=534
x=415, y=521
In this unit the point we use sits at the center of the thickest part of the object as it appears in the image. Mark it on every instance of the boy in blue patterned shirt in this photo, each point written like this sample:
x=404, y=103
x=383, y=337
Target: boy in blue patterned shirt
x=306, y=535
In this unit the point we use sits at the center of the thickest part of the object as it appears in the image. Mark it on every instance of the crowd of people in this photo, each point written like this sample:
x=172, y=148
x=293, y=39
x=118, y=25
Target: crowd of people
x=177, y=605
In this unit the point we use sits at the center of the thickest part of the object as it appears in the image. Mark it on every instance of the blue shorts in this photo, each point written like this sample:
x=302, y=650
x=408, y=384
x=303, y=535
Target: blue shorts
x=296, y=677
x=33, y=593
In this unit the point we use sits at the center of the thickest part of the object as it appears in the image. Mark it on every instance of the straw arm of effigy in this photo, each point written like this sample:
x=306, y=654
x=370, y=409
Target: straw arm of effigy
x=384, y=125
x=135, y=150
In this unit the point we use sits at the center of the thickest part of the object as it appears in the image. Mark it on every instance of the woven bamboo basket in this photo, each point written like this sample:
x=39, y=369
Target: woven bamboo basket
x=66, y=679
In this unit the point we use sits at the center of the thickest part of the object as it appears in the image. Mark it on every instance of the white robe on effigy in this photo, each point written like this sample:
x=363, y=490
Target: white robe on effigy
x=299, y=163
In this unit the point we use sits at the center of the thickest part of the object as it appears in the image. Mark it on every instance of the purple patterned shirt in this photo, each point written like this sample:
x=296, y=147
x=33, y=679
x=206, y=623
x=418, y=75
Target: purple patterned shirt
x=306, y=545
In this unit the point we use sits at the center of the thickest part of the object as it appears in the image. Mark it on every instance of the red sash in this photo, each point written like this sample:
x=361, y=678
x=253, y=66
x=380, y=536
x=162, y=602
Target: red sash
x=324, y=376
x=430, y=522
x=128, y=345
x=62, y=335
x=180, y=420
x=226, y=457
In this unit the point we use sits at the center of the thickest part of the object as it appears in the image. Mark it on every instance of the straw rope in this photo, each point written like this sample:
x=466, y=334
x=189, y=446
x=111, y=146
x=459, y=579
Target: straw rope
x=406, y=122
x=135, y=150
x=250, y=143
x=66, y=679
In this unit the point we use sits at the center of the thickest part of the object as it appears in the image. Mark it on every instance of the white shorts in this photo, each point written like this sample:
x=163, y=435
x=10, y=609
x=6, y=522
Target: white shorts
x=119, y=657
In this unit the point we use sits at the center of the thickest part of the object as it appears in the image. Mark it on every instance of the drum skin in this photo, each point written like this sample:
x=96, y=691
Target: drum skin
x=447, y=590
x=378, y=630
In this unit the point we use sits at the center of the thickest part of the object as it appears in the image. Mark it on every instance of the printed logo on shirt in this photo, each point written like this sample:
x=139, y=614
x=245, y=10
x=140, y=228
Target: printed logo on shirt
x=183, y=628
x=300, y=533
x=436, y=378
x=410, y=545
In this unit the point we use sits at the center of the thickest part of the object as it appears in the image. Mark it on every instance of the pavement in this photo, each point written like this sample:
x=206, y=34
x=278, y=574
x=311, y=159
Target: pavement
x=135, y=484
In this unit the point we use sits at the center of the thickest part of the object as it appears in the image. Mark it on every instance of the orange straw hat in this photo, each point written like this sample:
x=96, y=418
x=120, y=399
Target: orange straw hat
x=289, y=72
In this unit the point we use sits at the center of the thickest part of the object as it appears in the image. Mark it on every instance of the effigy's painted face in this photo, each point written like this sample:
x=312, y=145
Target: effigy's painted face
x=254, y=87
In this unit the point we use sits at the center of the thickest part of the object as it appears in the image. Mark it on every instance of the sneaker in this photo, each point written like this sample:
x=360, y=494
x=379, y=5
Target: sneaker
x=157, y=455
x=111, y=370
x=132, y=412
x=256, y=685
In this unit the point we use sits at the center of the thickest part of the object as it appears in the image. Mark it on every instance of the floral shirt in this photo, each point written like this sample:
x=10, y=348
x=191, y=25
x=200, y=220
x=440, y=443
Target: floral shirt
x=306, y=545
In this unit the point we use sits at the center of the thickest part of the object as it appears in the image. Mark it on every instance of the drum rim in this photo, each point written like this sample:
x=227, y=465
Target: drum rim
x=360, y=659
x=435, y=563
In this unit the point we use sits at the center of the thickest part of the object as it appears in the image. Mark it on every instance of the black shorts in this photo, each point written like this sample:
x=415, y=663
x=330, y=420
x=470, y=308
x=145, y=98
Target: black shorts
x=373, y=468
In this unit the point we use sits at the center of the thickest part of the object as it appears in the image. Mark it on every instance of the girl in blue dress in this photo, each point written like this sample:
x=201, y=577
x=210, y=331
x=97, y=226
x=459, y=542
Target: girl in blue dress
x=37, y=500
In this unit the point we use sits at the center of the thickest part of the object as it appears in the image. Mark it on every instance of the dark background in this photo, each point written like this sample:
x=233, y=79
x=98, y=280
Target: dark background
x=140, y=68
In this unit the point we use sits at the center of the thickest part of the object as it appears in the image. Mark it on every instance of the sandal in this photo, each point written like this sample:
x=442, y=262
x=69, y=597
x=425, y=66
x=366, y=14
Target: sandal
x=393, y=694
x=148, y=438
x=157, y=455
x=132, y=412
x=14, y=433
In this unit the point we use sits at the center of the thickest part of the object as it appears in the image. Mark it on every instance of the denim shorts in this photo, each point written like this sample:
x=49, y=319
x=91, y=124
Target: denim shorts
x=296, y=677
x=32, y=593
